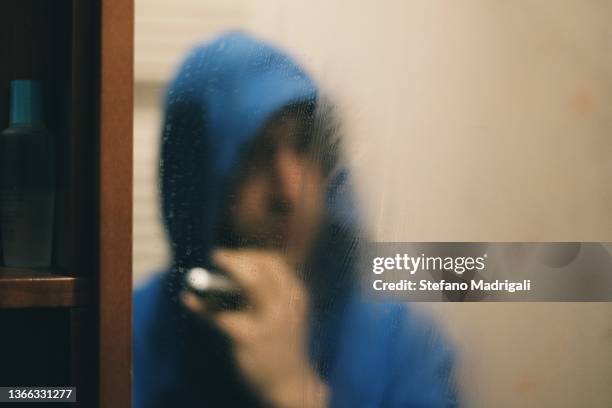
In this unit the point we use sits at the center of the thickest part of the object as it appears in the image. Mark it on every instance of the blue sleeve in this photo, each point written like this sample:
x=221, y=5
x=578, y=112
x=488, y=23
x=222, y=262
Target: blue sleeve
x=422, y=365
x=390, y=358
x=143, y=306
x=154, y=355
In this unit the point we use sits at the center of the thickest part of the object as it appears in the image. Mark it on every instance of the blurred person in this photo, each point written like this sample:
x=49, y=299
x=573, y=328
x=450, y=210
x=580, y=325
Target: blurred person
x=252, y=182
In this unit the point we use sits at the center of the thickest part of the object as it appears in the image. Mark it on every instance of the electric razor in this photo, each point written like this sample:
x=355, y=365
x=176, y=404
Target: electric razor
x=215, y=288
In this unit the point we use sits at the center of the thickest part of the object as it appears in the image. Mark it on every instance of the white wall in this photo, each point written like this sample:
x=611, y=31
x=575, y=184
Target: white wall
x=471, y=120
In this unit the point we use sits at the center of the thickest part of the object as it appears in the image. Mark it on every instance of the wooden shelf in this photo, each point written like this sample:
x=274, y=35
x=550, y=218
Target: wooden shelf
x=28, y=288
x=59, y=329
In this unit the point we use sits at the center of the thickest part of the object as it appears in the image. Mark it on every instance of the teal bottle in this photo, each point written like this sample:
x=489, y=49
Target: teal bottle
x=27, y=180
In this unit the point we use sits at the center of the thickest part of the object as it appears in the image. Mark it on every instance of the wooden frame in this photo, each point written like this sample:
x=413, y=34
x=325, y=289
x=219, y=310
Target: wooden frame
x=116, y=122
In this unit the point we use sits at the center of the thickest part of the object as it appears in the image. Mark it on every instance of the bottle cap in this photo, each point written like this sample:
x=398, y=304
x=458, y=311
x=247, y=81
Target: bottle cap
x=26, y=102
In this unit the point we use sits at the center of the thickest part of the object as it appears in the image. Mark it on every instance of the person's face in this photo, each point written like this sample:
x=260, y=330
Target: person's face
x=279, y=198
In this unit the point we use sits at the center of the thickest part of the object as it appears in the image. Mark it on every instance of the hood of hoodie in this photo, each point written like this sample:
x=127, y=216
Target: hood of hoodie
x=222, y=95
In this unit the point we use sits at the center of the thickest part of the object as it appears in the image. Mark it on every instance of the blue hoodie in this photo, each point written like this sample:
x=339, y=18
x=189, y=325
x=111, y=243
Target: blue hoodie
x=370, y=355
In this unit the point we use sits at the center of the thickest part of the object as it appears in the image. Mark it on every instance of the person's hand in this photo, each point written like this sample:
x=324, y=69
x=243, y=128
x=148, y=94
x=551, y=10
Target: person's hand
x=269, y=336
